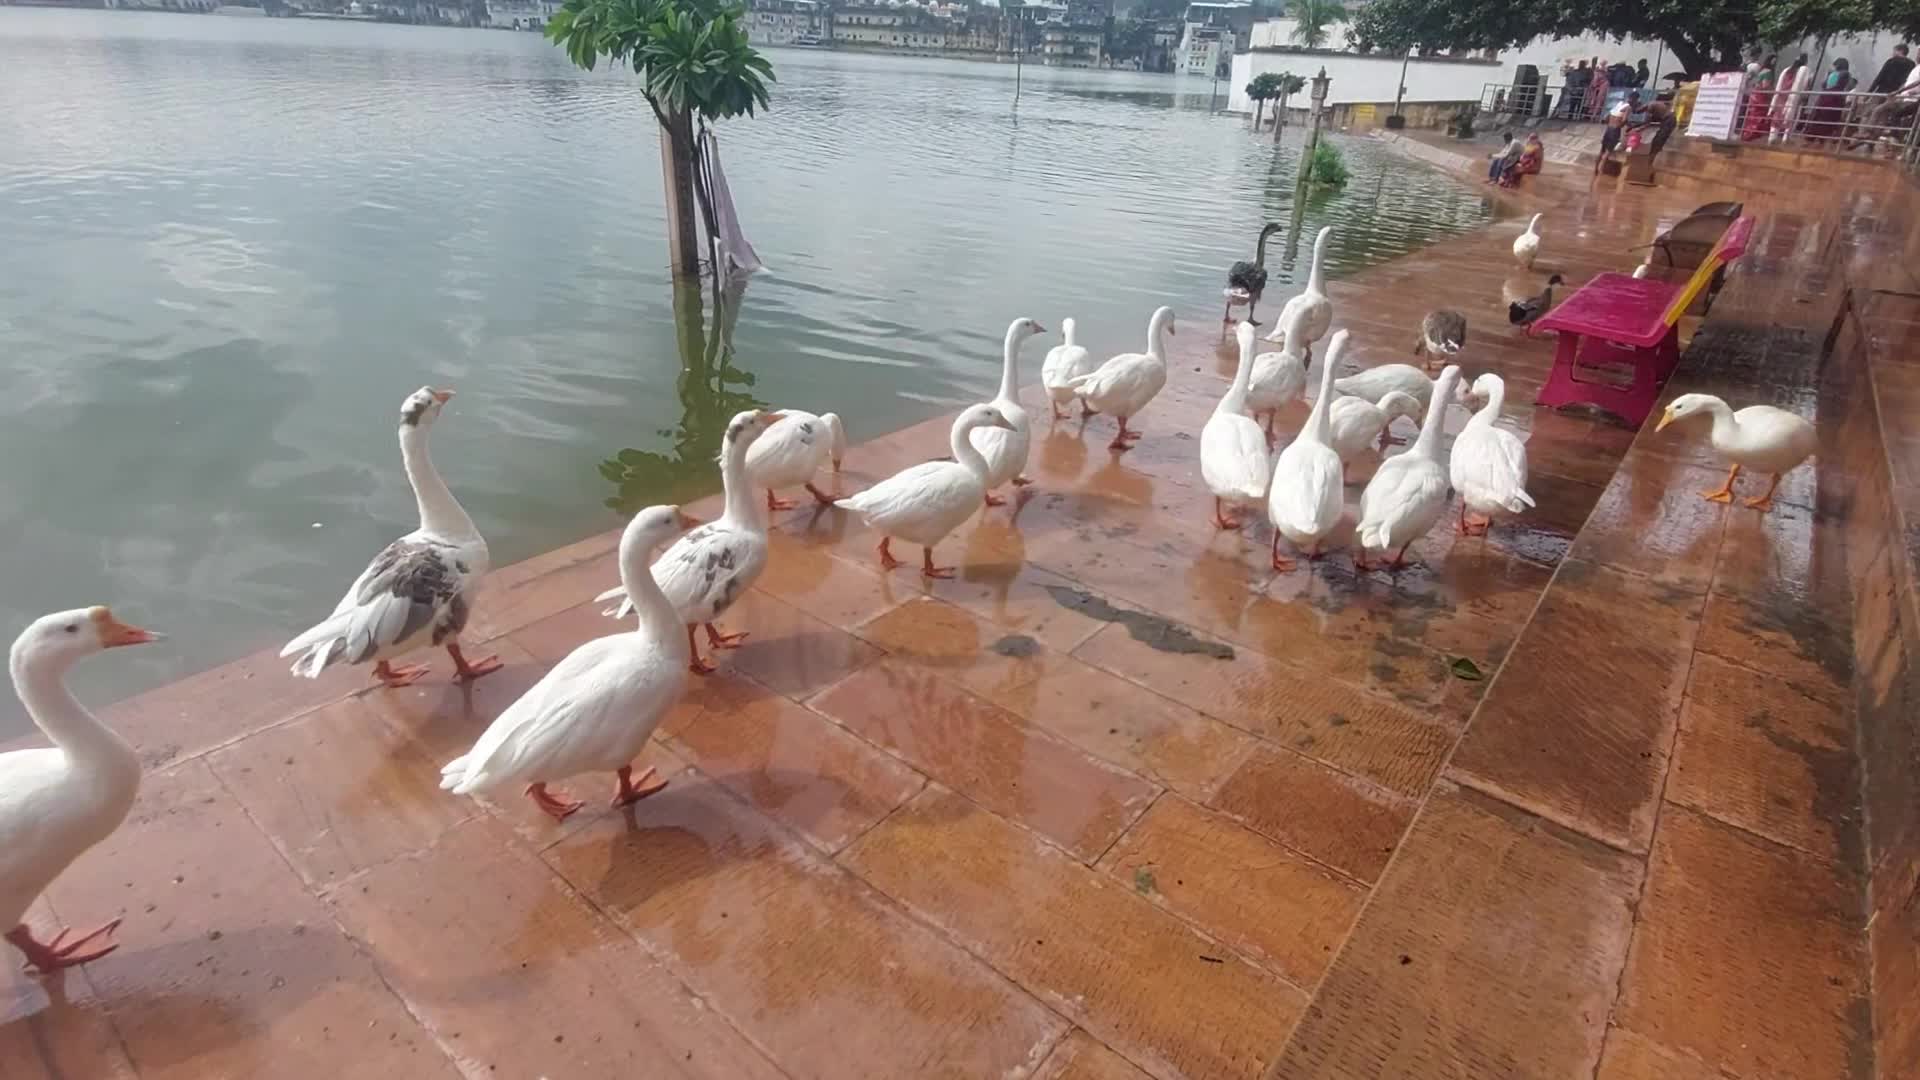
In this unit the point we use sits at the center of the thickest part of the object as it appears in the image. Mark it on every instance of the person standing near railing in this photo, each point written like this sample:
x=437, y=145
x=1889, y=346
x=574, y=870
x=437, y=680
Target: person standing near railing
x=1887, y=119
x=1596, y=90
x=1893, y=73
x=1786, y=99
x=1576, y=85
x=1827, y=119
x=1759, y=101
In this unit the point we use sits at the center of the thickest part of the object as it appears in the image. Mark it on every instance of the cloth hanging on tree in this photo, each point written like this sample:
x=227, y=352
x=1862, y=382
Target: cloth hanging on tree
x=734, y=247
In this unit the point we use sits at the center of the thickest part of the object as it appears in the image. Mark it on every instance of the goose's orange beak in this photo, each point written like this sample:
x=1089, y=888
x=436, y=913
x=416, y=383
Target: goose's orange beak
x=686, y=520
x=114, y=633
x=442, y=396
x=1665, y=419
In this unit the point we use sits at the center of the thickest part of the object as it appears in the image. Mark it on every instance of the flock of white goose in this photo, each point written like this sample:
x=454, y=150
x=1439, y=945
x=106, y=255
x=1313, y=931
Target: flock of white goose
x=596, y=709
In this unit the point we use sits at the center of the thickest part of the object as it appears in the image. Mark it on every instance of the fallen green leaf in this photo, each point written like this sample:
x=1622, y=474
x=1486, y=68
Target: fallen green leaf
x=1143, y=880
x=1464, y=668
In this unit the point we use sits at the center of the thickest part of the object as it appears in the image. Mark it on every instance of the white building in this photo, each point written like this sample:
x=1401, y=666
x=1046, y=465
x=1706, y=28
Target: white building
x=1464, y=77
x=1213, y=30
x=520, y=14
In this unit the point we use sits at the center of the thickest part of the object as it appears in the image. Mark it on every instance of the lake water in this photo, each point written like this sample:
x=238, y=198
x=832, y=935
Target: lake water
x=230, y=247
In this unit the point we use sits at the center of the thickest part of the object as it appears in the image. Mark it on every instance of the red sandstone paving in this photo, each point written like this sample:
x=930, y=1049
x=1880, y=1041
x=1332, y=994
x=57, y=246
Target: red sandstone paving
x=1117, y=801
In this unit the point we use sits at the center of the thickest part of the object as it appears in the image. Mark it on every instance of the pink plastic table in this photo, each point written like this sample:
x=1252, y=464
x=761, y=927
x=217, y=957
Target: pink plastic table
x=1624, y=320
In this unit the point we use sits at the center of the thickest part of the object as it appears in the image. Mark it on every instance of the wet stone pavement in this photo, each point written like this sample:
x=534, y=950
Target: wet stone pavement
x=1118, y=801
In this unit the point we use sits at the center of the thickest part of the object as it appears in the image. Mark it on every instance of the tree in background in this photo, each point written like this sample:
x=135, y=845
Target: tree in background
x=1262, y=89
x=1702, y=35
x=1312, y=18
x=1288, y=85
x=694, y=63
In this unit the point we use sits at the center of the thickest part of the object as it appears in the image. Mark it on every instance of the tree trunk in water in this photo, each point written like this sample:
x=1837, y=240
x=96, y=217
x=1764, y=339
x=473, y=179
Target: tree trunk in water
x=1279, y=117
x=1259, y=105
x=677, y=164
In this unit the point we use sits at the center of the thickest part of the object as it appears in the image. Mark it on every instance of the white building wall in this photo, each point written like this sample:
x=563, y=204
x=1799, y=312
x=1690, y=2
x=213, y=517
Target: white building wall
x=1374, y=78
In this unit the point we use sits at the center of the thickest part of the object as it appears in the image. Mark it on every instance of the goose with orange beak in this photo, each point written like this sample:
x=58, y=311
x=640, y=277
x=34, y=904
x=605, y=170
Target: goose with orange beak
x=1758, y=437
x=57, y=802
x=419, y=590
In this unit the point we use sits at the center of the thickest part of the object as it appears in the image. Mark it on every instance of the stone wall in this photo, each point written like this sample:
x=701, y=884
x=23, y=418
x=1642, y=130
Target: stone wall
x=1874, y=385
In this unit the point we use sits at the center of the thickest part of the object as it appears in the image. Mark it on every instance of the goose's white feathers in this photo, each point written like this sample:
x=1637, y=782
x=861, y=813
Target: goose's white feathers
x=1126, y=383
x=1408, y=491
x=1308, y=494
x=706, y=570
x=1758, y=437
x=1377, y=382
x=417, y=590
x=1527, y=245
x=57, y=802
x=1233, y=449
x=1488, y=465
x=1064, y=363
x=1356, y=423
x=1005, y=449
x=1313, y=307
x=795, y=448
x=596, y=708
x=922, y=503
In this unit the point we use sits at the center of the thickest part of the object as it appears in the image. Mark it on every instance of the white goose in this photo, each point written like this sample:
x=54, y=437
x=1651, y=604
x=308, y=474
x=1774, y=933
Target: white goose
x=596, y=709
x=1377, y=382
x=1279, y=377
x=1065, y=362
x=923, y=503
x=1408, y=491
x=57, y=802
x=1314, y=304
x=1527, y=245
x=1488, y=465
x=1233, y=451
x=1757, y=437
x=1127, y=382
x=1006, y=448
x=1309, y=490
x=1357, y=423
x=705, y=571
x=792, y=451
x=419, y=589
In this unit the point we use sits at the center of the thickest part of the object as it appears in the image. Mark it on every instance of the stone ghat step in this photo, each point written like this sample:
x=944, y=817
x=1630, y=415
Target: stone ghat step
x=1109, y=803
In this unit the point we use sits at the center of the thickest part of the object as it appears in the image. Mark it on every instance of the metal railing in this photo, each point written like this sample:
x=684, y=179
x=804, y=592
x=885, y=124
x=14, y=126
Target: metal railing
x=1850, y=121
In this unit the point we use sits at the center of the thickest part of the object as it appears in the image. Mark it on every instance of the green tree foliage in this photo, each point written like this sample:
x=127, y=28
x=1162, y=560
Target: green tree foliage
x=1327, y=167
x=1313, y=20
x=1701, y=34
x=692, y=55
x=693, y=60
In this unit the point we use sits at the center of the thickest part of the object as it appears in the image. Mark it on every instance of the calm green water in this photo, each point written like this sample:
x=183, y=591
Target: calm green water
x=229, y=247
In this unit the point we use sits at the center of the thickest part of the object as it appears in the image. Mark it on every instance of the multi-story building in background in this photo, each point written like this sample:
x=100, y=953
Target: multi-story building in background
x=1214, y=31
x=789, y=22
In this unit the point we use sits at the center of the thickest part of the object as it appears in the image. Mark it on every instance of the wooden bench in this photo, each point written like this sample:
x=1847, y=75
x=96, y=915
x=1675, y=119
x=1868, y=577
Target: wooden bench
x=1626, y=321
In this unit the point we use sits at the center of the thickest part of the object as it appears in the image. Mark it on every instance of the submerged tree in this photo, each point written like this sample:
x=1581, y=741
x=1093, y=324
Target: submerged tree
x=1286, y=84
x=695, y=64
x=1261, y=90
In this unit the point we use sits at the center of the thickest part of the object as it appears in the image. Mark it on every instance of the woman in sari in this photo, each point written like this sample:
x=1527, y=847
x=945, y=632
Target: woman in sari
x=1759, y=101
x=1786, y=99
x=1596, y=91
x=1531, y=158
x=1827, y=119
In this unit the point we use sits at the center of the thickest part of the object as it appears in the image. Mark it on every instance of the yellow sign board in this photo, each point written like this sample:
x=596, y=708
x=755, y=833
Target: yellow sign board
x=1361, y=116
